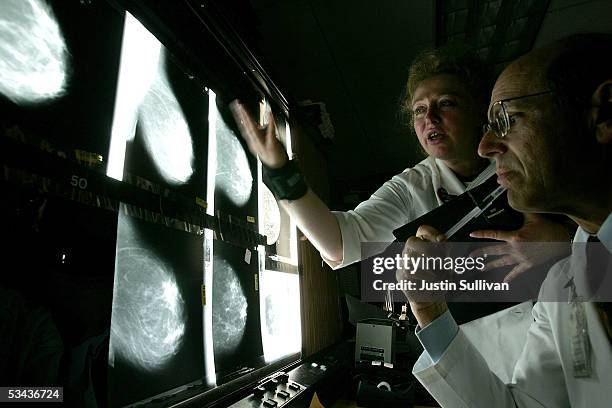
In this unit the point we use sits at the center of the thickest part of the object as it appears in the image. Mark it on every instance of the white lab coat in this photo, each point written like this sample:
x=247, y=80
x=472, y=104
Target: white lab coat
x=404, y=198
x=543, y=375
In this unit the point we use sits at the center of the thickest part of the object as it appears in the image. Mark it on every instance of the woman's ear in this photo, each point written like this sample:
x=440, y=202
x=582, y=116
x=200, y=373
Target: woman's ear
x=601, y=112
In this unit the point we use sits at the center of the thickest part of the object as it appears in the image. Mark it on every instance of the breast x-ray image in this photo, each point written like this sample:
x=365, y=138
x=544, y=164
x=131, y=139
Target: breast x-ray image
x=156, y=341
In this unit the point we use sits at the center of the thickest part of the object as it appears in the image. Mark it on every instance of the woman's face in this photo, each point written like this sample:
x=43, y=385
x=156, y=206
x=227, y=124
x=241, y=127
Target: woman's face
x=446, y=119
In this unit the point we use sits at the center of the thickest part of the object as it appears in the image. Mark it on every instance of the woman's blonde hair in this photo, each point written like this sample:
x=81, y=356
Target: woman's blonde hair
x=464, y=65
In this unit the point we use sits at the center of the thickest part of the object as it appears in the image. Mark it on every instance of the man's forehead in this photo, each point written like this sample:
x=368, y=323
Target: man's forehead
x=525, y=76
x=515, y=83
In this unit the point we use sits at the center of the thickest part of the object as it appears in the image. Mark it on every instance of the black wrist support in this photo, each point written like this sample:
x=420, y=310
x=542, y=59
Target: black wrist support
x=287, y=182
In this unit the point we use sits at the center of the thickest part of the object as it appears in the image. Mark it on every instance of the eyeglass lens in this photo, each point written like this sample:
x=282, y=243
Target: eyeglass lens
x=500, y=119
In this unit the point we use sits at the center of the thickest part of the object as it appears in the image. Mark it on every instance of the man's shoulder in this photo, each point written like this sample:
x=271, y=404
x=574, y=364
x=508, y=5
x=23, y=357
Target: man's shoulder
x=554, y=288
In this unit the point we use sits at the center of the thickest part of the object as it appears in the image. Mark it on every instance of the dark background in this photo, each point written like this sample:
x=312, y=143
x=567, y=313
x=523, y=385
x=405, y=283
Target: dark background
x=354, y=55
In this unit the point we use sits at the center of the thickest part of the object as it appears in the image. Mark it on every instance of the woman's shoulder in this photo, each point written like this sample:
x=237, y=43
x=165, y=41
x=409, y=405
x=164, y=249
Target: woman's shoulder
x=420, y=174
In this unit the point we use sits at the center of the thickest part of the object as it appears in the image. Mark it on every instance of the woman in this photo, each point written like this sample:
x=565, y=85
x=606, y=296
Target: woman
x=446, y=100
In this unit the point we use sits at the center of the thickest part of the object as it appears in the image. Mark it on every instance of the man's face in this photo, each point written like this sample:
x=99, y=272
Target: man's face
x=531, y=158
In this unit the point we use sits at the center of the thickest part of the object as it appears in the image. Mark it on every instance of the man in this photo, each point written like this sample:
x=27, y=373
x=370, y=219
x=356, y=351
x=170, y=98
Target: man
x=550, y=133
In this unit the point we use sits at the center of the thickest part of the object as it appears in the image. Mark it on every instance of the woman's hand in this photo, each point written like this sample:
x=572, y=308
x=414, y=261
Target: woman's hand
x=538, y=241
x=261, y=140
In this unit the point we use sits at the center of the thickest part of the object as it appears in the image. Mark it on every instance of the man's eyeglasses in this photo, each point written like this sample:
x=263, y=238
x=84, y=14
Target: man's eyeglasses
x=499, y=119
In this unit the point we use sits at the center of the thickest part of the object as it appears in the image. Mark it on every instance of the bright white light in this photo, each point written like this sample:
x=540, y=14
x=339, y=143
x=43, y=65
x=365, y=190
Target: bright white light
x=165, y=131
x=139, y=61
x=209, y=352
x=211, y=171
x=279, y=292
x=270, y=218
x=288, y=143
x=271, y=215
x=233, y=171
x=280, y=314
x=148, y=314
x=170, y=292
x=33, y=54
x=229, y=308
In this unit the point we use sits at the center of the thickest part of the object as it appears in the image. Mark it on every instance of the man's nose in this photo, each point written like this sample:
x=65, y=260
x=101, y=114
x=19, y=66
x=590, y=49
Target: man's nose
x=491, y=145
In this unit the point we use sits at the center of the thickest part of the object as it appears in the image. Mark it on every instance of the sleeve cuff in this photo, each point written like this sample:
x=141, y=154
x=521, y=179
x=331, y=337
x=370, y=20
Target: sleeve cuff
x=437, y=335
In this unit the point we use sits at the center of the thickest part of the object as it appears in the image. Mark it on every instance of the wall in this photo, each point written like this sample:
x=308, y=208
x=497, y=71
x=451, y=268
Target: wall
x=321, y=323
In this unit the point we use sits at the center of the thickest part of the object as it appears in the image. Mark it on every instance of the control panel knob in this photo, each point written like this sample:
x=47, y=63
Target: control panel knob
x=283, y=394
x=271, y=385
x=259, y=392
x=283, y=378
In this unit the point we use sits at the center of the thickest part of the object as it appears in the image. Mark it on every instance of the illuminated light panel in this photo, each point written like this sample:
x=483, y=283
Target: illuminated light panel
x=230, y=308
x=165, y=131
x=280, y=314
x=140, y=52
x=209, y=352
x=271, y=215
x=148, y=311
x=270, y=219
x=288, y=139
x=33, y=54
x=233, y=172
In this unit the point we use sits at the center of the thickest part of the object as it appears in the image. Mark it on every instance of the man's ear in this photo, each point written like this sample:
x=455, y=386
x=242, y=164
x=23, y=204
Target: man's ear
x=601, y=112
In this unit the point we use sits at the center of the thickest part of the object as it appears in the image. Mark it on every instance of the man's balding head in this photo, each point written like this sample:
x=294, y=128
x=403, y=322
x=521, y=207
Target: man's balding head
x=554, y=158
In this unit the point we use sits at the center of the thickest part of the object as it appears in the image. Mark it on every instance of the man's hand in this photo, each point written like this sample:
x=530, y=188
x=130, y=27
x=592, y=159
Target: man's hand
x=529, y=246
x=261, y=140
x=426, y=306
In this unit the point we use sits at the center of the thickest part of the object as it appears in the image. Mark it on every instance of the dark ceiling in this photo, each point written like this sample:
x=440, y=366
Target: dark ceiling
x=353, y=56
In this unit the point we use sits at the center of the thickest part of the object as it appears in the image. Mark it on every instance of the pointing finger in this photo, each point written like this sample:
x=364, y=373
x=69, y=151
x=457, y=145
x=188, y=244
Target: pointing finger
x=246, y=124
